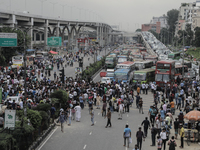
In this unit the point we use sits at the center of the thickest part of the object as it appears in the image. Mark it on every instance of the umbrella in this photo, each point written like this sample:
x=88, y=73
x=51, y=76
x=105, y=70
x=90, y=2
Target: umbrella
x=193, y=115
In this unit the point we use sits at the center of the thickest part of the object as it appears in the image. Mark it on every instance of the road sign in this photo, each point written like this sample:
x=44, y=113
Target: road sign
x=9, y=120
x=78, y=70
x=8, y=39
x=54, y=41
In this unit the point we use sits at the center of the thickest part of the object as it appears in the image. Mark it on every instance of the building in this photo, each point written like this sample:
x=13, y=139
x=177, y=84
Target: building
x=161, y=19
x=155, y=27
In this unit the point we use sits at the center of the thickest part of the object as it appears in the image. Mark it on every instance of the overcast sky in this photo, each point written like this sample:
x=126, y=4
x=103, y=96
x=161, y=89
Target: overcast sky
x=128, y=14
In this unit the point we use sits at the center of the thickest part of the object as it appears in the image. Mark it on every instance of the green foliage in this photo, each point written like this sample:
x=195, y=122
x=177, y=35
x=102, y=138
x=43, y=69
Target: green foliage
x=43, y=107
x=197, y=37
x=61, y=95
x=6, y=53
x=34, y=117
x=172, y=18
x=138, y=30
x=54, y=100
x=45, y=117
x=194, y=53
x=5, y=140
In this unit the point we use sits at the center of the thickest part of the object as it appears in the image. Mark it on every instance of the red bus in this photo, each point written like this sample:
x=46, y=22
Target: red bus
x=165, y=72
x=179, y=70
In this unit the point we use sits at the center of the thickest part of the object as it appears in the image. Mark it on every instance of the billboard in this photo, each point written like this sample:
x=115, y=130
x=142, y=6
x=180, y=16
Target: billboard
x=8, y=39
x=54, y=41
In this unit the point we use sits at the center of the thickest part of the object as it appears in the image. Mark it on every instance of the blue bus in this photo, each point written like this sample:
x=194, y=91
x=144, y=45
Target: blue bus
x=124, y=75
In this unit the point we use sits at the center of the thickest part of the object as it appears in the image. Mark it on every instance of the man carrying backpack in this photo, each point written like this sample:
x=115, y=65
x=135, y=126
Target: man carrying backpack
x=172, y=144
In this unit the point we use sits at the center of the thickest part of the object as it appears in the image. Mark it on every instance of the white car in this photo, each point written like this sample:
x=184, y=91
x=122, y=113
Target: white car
x=105, y=80
x=16, y=98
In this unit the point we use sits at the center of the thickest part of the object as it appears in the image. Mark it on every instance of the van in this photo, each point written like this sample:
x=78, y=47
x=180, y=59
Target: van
x=16, y=98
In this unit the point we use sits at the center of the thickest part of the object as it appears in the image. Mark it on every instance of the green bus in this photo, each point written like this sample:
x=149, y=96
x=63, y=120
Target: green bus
x=144, y=76
x=174, y=56
x=111, y=61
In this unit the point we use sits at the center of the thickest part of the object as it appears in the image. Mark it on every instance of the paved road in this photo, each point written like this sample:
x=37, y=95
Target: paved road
x=83, y=136
x=70, y=71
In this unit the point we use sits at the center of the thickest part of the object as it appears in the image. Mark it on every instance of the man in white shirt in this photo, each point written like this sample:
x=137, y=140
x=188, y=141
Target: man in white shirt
x=143, y=88
x=146, y=88
x=21, y=104
x=121, y=107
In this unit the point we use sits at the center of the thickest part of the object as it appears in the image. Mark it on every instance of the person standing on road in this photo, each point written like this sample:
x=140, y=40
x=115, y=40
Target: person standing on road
x=109, y=118
x=92, y=116
x=137, y=99
x=159, y=142
x=146, y=88
x=153, y=135
x=104, y=109
x=146, y=125
x=172, y=144
x=69, y=115
x=163, y=136
x=78, y=112
x=99, y=99
x=140, y=103
x=127, y=135
x=182, y=135
x=121, y=107
x=62, y=119
x=139, y=136
x=176, y=125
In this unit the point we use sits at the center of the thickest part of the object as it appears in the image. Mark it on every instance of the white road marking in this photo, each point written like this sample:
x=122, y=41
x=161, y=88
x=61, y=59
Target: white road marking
x=127, y=115
x=126, y=148
x=98, y=113
x=95, y=122
x=84, y=147
x=48, y=138
x=90, y=132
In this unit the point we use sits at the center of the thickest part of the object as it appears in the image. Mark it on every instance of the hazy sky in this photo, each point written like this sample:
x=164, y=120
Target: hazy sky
x=128, y=14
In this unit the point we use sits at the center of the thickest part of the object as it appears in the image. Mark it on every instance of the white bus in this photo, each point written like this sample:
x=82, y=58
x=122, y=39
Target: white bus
x=143, y=64
x=41, y=55
x=126, y=65
x=17, y=60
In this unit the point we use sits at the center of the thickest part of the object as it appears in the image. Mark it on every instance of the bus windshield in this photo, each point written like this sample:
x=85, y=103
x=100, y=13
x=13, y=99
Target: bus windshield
x=109, y=59
x=121, y=76
x=170, y=56
x=140, y=76
x=110, y=74
x=163, y=66
x=162, y=77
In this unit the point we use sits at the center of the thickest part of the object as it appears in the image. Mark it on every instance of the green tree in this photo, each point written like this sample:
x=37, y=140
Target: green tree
x=197, y=37
x=6, y=53
x=61, y=95
x=190, y=34
x=172, y=18
x=138, y=30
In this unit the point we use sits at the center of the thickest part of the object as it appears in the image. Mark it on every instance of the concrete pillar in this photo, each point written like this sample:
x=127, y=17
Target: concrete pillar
x=97, y=34
x=40, y=38
x=46, y=33
x=12, y=21
x=34, y=37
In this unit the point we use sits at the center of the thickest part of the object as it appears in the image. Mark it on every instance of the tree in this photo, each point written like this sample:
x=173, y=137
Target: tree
x=61, y=95
x=197, y=37
x=172, y=18
x=190, y=34
x=6, y=53
x=138, y=30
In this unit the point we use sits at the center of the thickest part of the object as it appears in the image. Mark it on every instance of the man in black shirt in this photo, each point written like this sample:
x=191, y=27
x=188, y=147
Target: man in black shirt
x=139, y=136
x=176, y=125
x=146, y=125
x=153, y=135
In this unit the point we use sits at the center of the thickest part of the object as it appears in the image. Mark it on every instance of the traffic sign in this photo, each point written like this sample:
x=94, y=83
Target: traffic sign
x=8, y=39
x=54, y=41
x=9, y=120
x=78, y=70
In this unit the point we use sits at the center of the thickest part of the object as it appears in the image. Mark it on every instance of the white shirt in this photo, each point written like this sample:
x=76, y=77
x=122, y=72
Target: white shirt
x=163, y=135
x=121, y=106
x=158, y=124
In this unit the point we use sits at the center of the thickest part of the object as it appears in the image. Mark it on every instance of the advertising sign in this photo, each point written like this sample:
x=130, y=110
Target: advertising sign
x=78, y=70
x=8, y=39
x=54, y=41
x=9, y=120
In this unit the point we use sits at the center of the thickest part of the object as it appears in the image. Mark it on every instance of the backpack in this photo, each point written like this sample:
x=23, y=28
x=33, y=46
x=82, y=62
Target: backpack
x=172, y=145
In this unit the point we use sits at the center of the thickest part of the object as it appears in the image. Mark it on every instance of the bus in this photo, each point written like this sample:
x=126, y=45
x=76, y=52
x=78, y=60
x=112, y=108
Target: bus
x=179, y=70
x=110, y=73
x=122, y=58
x=18, y=60
x=143, y=64
x=165, y=73
x=174, y=56
x=126, y=65
x=124, y=75
x=110, y=61
x=144, y=76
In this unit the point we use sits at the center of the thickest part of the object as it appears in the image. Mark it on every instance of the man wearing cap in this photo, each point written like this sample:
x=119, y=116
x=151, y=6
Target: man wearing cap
x=182, y=135
x=139, y=136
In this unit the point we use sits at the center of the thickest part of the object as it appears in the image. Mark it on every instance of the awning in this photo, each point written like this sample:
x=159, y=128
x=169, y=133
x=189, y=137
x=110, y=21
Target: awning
x=30, y=50
x=52, y=52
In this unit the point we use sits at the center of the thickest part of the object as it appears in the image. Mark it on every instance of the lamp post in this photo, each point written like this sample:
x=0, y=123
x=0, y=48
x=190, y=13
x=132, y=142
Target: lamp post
x=42, y=1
